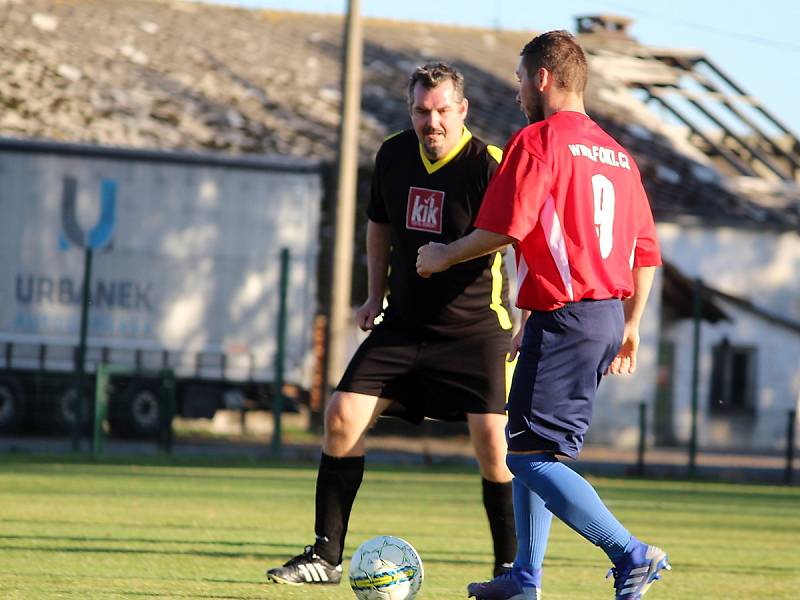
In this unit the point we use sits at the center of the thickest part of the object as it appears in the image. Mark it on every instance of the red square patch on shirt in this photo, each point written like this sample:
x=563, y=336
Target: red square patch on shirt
x=424, y=209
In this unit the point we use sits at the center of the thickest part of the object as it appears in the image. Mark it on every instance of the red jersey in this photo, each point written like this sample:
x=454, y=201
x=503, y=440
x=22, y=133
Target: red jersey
x=573, y=199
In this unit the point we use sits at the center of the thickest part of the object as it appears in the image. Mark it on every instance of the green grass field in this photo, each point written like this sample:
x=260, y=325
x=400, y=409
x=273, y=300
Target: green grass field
x=75, y=529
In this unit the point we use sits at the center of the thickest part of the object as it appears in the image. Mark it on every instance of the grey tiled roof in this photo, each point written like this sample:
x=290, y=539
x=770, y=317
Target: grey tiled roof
x=177, y=75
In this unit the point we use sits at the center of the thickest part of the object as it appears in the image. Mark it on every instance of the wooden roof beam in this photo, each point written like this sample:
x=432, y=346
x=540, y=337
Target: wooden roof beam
x=725, y=101
x=755, y=153
x=758, y=106
x=733, y=160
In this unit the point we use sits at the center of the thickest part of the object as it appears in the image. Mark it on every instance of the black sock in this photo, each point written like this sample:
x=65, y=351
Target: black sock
x=338, y=480
x=498, y=500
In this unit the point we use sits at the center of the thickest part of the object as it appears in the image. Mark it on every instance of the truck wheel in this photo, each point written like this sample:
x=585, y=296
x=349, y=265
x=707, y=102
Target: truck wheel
x=12, y=405
x=135, y=412
x=64, y=411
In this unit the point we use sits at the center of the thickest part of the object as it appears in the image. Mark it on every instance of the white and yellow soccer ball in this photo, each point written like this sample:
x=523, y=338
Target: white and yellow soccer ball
x=386, y=568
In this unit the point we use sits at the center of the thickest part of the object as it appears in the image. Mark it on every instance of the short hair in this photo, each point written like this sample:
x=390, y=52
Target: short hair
x=561, y=54
x=432, y=75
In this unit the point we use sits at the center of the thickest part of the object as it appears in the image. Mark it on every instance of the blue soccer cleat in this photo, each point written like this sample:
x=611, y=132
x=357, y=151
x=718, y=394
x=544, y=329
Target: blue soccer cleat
x=638, y=571
x=502, y=587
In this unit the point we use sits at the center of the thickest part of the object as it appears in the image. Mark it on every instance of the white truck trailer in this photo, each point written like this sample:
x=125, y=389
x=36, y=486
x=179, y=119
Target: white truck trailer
x=185, y=277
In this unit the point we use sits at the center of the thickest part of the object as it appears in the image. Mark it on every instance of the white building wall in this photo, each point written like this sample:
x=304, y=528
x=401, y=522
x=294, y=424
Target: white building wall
x=763, y=267
x=616, y=410
x=777, y=382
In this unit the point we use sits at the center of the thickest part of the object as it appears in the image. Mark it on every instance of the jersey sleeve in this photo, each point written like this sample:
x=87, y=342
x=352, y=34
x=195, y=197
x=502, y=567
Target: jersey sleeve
x=646, y=252
x=515, y=194
x=376, y=209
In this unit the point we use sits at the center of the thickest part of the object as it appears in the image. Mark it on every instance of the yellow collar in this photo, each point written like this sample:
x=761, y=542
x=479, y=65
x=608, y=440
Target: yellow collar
x=430, y=167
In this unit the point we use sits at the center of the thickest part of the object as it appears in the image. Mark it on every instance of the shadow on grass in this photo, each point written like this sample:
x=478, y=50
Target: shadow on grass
x=167, y=595
x=87, y=539
x=209, y=462
x=431, y=558
x=129, y=525
x=140, y=551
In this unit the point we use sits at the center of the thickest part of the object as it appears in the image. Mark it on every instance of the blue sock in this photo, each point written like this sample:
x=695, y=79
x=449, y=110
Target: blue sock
x=573, y=500
x=532, y=520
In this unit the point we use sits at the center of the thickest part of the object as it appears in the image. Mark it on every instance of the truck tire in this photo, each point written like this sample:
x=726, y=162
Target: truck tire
x=135, y=412
x=62, y=412
x=12, y=405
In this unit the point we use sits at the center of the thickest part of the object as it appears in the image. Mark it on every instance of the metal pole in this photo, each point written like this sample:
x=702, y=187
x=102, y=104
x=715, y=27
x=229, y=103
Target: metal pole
x=80, y=370
x=318, y=391
x=642, y=436
x=346, y=193
x=277, y=401
x=167, y=410
x=696, y=315
x=790, y=437
x=102, y=383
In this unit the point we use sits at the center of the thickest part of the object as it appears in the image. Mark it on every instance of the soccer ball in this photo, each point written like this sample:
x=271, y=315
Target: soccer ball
x=386, y=568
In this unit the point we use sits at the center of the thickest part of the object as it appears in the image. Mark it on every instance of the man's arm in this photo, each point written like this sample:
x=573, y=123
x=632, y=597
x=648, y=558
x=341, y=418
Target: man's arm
x=434, y=258
x=378, y=247
x=625, y=361
x=643, y=283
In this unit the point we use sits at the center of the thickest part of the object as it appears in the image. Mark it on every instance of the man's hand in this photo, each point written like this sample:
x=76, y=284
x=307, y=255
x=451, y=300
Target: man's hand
x=367, y=313
x=516, y=340
x=624, y=362
x=432, y=258
x=435, y=258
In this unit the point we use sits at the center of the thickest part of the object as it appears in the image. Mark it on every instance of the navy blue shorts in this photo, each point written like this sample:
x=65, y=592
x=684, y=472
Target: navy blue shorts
x=561, y=361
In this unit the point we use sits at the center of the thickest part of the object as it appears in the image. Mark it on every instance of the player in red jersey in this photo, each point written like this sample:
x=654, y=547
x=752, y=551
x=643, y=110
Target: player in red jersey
x=571, y=200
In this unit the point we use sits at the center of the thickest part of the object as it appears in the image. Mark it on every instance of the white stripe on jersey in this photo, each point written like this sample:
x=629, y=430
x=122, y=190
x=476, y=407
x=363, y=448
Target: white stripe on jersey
x=522, y=272
x=555, y=241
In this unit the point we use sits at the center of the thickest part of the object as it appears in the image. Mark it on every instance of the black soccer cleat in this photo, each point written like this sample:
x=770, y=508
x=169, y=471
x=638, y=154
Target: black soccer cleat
x=306, y=568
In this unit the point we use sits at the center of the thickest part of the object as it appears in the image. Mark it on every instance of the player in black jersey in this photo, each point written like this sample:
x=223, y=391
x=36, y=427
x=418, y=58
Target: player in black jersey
x=440, y=349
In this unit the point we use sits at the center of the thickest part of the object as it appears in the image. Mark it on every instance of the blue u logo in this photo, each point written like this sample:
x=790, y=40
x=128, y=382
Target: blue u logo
x=71, y=232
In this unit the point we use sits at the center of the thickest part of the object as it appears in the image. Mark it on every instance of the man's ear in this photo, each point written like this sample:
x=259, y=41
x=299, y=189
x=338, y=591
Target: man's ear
x=465, y=107
x=545, y=79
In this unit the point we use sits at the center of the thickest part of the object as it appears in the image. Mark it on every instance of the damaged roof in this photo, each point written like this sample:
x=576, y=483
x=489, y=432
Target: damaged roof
x=171, y=74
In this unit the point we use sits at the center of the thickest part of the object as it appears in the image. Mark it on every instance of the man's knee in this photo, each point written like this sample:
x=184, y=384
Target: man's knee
x=348, y=413
x=338, y=415
x=488, y=434
x=490, y=445
x=488, y=439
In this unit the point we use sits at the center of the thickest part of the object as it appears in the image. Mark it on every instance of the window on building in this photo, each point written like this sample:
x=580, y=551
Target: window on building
x=733, y=384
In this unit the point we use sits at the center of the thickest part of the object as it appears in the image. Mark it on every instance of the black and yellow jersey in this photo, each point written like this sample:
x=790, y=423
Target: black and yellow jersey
x=438, y=202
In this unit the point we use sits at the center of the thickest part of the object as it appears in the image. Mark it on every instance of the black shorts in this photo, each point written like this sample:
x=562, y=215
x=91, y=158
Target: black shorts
x=442, y=378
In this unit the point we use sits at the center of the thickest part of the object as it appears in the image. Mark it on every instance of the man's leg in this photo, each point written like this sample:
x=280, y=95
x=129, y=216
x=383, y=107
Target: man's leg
x=533, y=522
x=573, y=500
x=524, y=582
x=348, y=416
x=487, y=432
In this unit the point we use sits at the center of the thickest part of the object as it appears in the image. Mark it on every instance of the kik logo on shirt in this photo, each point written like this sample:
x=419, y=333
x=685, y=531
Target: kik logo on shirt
x=424, y=212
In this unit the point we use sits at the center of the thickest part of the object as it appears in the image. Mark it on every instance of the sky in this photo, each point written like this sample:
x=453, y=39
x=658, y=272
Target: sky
x=754, y=43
